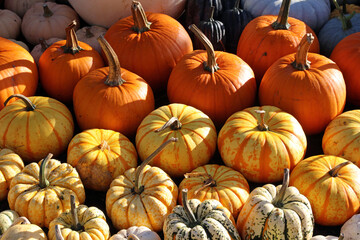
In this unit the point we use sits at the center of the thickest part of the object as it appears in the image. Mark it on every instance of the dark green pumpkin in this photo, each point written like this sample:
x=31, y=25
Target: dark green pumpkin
x=199, y=10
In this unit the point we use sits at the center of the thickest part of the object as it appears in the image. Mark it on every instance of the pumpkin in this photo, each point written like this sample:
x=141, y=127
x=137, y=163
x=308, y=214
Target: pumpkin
x=329, y=237
x=32, y=127
x=260, y=142
x=276, y=212
x=141, y=233
x=80, y=222
x=10, y=24
x=106, y=12
x=149, y=44
x=112, y=97
x=64, y=63
x=221, y=183
x=21, y=6
x=90, y=34
x=40, y=48
x=142, y=196
x=7, y=217
x=20, y=43
x=267, y=38
x=103, y=153
x=10, y=165
x=23, y=76
x=23, y=229
x=200, y=220
x=341, y=137
x=341, y=2
x=346, y=55
x=313, y=93
x=345, y=8
x=47, y=20
x=215, y=82
x=351, y=228
x=332, y=185
x=41, y=191
x=195, y=131
x=199, y=10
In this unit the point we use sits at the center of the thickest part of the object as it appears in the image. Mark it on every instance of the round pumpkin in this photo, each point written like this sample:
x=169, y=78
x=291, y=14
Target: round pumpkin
x=32, y=127
x=41, y=191
x=141, y=233
x=90, y=34
x=10, y=24
x=195, y=131
x=276, y=212
x=221, y=183
x=21, y=6
x=260, y=142
x=7, y=217
x=141, y=197
x=23, y=229
x=309, y=86
x=332, y=185
x=103, y=153
x=40, y=48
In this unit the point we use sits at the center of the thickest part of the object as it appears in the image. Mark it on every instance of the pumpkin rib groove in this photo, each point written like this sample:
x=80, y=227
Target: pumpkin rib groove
x=326, y=200
x=349, y=203
x=8, y=126
x=61, y=113
x=27, y=136
x=53, y=130
x=243, y=144
x=58, y=195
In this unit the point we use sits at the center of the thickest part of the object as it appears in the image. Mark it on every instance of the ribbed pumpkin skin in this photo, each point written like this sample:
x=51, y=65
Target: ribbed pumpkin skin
x=18, y=71
x=149, y=208
x=346, y=55
x=7, y=218
x=42, y=205
x=196, y=144
x=314, y=96
x=34, y=134
x=10, y=165
x=261, y=156
x=231, y=190
x=103, y=153
x=92, y=219
x=228, y=90
x=333, y=199
x=260, y=45
x=24, y=231
x=141, y=232
x=151, y=54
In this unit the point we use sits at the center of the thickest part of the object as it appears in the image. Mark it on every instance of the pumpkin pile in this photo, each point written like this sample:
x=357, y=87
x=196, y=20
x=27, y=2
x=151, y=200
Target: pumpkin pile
x=179, y=119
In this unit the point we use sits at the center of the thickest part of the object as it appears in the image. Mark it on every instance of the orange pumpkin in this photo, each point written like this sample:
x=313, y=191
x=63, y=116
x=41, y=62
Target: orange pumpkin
x=267, y=38
x=112, y=97
x=64, y=63
x=217, y=83
x=18, y=71
x=149, y=44
x=313, y=93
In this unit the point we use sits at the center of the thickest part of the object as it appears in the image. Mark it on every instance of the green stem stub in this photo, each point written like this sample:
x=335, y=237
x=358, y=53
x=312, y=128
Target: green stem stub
x=345, y=20
x=282, y=20
x=43, y=182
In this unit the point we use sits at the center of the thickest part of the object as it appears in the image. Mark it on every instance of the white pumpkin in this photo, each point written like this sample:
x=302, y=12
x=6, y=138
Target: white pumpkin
x=329, y=237
x=10, y=24
x=142, y=233
x=38, y=50
x=106, y=12
x=351, y=228
x=90, y=34
x=21, y=6
x=7, y=218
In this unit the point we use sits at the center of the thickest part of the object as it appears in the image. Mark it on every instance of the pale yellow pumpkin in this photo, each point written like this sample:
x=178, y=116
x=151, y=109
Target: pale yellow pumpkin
x=22, y=229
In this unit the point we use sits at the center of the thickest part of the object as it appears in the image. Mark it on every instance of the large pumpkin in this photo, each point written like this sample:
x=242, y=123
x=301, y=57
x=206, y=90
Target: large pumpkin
x=309, y=86
x=215, y=82
x=332, y=185
x=260, y=142
x=32, y=127
x=18, y=71
x=195, y=131
x=149, y=44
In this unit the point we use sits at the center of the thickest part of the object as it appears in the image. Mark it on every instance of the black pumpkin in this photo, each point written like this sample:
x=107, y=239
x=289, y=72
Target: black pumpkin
x=227, y=4
x=199, y=10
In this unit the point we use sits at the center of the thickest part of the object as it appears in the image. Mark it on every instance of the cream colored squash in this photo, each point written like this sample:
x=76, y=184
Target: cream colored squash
x=10, y=24
x=142, y=233
x=351, y=228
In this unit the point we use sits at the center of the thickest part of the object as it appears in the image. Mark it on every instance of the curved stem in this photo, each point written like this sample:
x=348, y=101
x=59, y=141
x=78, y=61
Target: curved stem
x=188, y=211
x=88, y=33
x=209, y=182
x=173, y=123
x=114, y=77
x=139, y=170
x=280, y=196
x=301, y=63
x=72, y=44
x=47, y=11
x=58, y=234
x=211, y=64
x=133, y=237
x=29, y=105
x=76, y=226
x=345, y=20
x=335, y=171
x=282, y=20
x=43, y=182
x=141, y=24
x=261, y=125
x=20, y=220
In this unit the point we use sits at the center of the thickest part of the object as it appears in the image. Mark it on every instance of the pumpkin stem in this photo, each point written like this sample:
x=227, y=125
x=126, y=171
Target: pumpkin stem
x=173, y=123
x=47, y=11
x=212, y=11
x=20, y=220
x=43, y=44
x=280, y=196
x=209, y=182
x=261, y=125
x=335, y=171
x=345, y=20
x=138, y=189
x=133, y=237
x=72, y=44
x=341, y=237
x=237, y=4
x=88, y=33
x=104, y=145
x=301, y=63
x=43, y=182
x=114, y=78
x=76, y=226
x=58, y=233
x=188, y=211
x=141, y=24
x=282, y=20
x=211, y=64
x=29, y=105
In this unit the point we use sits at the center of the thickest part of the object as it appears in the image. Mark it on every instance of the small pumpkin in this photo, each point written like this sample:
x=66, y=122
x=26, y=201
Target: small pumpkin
x=7, y=217
x=351, y=228
x=199, y=10
x=21, y=6
x=23, y=229
x=90, y=34
x=40, y=48
x=329, y=237
x=201, y=220
x=345, y=9
x=136, y=233
x=10, y=24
